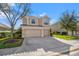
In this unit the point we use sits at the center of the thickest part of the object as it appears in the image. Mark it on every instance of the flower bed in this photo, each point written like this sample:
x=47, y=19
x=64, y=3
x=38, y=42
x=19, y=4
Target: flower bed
x=9, y=43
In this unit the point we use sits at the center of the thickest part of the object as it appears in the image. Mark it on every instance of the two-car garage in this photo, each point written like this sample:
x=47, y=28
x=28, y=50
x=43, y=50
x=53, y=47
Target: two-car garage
x=35, y=31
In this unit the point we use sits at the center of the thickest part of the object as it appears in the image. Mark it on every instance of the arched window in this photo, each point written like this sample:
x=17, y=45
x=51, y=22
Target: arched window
x=33, y=21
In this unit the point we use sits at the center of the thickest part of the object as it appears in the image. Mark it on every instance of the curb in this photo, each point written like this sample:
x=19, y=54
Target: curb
x=71, y=50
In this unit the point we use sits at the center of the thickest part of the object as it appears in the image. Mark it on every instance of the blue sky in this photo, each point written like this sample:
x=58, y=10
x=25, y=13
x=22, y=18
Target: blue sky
x=53, y=10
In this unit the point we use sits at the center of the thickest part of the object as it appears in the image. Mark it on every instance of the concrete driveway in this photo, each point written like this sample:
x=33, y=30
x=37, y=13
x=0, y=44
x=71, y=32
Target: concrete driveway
x=46, y=45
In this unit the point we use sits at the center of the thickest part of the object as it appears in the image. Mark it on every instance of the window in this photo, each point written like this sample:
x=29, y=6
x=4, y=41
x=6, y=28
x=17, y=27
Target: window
x=46, y=22
x=33, y=21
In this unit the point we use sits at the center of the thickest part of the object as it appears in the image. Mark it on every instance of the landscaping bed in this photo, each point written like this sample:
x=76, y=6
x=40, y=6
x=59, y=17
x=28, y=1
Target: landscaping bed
x=7, y=42
x=66, y=37
x=10, y=43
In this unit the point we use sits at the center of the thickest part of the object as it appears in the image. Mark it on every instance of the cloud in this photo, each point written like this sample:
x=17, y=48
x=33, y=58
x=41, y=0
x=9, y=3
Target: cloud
x=43, y=14
x=11, y=4
x=2, y=15
x=52, y=21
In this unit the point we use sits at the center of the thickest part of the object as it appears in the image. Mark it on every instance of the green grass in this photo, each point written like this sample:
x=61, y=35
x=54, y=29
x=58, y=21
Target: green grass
x=66, y=37
x=6, y=38
x=10, y=45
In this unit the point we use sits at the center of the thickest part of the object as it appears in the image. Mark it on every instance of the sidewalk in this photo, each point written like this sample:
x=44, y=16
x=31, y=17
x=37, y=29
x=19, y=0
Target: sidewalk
x=70, y=42
x=73, y=48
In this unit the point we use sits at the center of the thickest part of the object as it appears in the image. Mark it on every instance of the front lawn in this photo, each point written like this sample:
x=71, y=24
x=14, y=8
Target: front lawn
x=9, y=43
x=66, y=37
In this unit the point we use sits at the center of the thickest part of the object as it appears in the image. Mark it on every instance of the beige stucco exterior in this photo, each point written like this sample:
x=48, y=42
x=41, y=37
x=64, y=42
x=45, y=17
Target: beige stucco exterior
x=39, y=29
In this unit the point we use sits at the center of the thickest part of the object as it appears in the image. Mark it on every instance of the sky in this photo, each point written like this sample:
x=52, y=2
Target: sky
x=53, y=10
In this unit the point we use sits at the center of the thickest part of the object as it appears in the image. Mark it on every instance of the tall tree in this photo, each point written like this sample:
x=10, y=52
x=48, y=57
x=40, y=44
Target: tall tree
x=14, y=12
x=68, y=21
x=73, y=23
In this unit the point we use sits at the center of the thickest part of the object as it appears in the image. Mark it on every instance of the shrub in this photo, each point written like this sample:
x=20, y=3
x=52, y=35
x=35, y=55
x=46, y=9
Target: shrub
x=57, y=33
x=2, y=45
x=18, y=34
x=11, y=43
x=4, y=34
x=64, y=33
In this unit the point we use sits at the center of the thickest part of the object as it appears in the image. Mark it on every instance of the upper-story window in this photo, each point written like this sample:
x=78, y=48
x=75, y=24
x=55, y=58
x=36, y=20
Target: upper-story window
x=46, y=22
x=33, y=21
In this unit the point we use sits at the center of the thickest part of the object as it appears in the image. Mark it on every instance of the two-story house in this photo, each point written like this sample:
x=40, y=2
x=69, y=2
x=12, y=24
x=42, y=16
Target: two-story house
x=35, y=26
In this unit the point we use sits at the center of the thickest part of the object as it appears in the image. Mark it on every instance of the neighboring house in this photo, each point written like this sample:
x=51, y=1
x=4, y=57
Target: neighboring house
x=4, y=27
x=77, y=28
x=3, y=30
x=35, y=26
x=57, y=28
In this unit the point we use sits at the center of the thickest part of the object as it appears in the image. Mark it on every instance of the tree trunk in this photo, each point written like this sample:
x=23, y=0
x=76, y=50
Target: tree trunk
x=72, y=32
x=67, y=32
x=12, y=33
x=76, y=32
